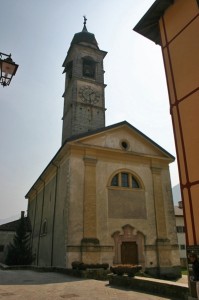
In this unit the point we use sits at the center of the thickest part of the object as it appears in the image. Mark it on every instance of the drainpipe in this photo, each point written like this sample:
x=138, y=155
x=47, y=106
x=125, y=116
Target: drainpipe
x=41, y=221
x=33, y=229
x=54, y=210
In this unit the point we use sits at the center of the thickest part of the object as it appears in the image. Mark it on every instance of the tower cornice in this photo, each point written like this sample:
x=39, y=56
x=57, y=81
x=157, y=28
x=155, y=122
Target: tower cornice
x=98, y=51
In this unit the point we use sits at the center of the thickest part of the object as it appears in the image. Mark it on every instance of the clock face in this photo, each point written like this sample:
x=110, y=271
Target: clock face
x=88, y=95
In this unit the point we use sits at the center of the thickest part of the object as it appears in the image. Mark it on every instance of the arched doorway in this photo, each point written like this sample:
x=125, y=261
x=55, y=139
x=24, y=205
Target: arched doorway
x=129, y=246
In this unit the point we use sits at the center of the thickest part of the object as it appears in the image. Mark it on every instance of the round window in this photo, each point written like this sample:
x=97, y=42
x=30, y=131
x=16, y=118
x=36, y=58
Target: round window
x=124, y=144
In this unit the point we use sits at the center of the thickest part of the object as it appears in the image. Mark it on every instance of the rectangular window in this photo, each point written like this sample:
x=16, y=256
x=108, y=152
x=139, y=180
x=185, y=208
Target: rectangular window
x=125, y=180
x=180, y=229
x=182, y=247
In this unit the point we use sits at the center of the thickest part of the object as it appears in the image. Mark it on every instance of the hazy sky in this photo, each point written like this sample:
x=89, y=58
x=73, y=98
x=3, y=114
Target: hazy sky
x=38, y=34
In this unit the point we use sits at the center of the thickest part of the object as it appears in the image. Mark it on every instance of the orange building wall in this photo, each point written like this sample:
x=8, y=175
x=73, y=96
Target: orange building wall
x=179, y=27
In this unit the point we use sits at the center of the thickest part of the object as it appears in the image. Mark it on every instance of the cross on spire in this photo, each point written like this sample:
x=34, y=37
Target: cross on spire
x=85, y=20
x=84, y=28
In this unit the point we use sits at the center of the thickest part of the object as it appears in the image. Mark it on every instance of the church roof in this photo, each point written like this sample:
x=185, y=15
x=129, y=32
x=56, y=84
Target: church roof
x=12, y=226
x=97, y=131
x=148, y=26
x=84, y=37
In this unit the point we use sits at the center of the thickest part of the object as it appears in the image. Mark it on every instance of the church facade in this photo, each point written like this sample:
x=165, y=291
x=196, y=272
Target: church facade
x=105, y=197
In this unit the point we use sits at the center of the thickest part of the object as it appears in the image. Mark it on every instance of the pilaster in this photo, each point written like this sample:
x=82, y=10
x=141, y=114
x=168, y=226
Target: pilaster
x=89, y=229
x=89, y=243
x=159, y=203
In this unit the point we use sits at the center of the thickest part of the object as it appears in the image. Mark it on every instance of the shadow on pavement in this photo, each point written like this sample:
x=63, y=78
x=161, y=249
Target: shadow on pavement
x=141, y=292
x=26, y=277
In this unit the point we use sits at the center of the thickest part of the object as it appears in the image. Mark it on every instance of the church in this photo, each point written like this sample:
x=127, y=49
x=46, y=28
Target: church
x=105, y=197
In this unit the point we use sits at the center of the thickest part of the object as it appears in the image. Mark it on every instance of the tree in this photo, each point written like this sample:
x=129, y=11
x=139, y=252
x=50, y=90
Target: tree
x=19, y=251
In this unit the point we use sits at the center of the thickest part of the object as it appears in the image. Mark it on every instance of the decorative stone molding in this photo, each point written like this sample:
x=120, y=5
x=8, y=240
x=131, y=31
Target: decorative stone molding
x=130, y=234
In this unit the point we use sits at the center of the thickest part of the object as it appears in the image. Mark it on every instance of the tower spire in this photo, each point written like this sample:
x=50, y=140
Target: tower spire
x=84, y=28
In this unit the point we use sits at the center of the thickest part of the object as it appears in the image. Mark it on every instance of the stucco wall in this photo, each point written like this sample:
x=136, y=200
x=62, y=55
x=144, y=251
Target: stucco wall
x=50, y=205
x=80, y=202
x=109, y=221
x=181, y=238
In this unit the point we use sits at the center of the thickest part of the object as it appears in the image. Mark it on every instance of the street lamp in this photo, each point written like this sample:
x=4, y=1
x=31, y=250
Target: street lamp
x=8, y=69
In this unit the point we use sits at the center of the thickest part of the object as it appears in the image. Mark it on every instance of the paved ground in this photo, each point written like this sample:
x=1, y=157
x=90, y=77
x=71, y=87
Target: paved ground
x=30, y=285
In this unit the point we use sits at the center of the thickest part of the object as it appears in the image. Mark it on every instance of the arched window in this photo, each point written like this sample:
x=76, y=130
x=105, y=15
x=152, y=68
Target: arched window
x=89, y=67
x=125, y=180
x=44, y=228
x=115, y=181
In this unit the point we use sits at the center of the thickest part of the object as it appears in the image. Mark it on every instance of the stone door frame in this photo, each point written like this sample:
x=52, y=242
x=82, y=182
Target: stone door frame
x=129, y=234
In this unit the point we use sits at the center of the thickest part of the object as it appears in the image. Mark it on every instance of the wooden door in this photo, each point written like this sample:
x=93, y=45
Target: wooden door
x=129, y=253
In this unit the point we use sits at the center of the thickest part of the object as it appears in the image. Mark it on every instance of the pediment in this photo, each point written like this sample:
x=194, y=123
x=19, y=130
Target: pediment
x=124, y=137
x=110, y=138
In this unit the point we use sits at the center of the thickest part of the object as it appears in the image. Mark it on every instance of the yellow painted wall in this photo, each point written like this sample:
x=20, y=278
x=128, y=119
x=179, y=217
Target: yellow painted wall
x=79, y=197
x=179, y=28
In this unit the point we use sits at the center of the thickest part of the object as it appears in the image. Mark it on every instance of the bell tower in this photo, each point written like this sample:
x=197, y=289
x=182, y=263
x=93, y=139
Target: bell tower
x=84, y=100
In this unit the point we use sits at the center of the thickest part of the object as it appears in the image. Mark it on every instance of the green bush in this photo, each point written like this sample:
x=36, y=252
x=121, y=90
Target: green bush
x=184, y=271
x=128, y=269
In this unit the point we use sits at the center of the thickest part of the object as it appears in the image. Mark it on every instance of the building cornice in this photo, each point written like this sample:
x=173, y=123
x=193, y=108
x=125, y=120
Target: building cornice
x=148, y=26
